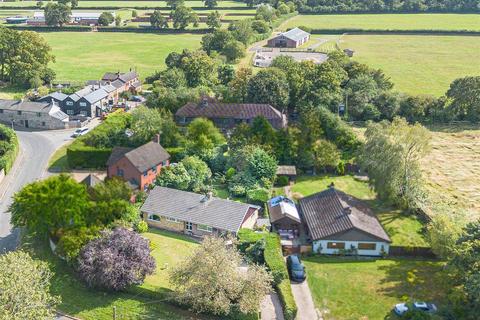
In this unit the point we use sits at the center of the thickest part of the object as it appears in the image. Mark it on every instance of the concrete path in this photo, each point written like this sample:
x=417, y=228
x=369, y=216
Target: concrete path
x=303, y=298
x=271, y=308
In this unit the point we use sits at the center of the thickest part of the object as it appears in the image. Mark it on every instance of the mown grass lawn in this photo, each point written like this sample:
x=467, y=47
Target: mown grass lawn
x=83, y=56
x=344, y=288
x=143, y=302
x=387, y=21
x=403, y=229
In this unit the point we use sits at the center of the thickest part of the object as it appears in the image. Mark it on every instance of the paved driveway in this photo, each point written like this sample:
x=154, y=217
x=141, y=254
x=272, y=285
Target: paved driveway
x=36, y=148
x=303, y=298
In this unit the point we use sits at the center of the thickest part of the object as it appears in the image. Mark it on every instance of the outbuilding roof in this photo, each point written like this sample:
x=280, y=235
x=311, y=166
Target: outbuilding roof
x=295, y=34
x=286, y=171
x=333, y=212
x=142, y=158
x=197, y=208
x=281, y=207
x=96, y=95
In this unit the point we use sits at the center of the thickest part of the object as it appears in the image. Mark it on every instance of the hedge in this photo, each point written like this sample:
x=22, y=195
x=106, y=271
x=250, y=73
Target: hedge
x=285, y=294
x=11, y=152
x=395, y=31
x=176, y=153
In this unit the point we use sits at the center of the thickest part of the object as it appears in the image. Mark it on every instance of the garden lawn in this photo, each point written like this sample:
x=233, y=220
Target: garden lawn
x=469, y=22
x=144, y=302
x=403, y=229
x=418, y=64
x=84, y=56
x=345, y=288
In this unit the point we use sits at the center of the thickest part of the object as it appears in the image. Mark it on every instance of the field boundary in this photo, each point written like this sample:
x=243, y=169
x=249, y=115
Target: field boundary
x=126, y=7
x=397, y=32
x=109, y=29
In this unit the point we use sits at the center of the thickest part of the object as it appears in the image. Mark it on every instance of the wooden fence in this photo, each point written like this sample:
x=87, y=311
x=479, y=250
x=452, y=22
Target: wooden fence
x=401, y=251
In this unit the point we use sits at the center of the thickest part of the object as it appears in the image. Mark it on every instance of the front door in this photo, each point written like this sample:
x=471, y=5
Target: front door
x=26, y=123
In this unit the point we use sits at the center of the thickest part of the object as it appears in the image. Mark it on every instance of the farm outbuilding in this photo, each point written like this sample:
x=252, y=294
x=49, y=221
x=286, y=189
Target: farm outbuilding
x=291, y=39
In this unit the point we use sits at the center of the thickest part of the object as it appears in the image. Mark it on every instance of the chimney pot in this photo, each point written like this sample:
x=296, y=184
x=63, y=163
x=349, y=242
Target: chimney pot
x=156, y=138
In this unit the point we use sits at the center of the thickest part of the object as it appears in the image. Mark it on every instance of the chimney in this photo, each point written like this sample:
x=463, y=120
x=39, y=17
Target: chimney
x=331, y=185
x=348, y=210
x=208, y=197
x=156, y=138
x=204, y=102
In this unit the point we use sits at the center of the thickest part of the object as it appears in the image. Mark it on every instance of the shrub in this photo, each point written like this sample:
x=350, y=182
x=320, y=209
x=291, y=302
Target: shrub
x=258, y=196
x=176, y=153
x=237, y=190
x=305, y=28
x=274, y=258
x=230, y=173
x=341, y=168
x=282, y=181
x=9, y=148
x=284, y=290
x=115, y=261
x=73, y=240
x=141, y=226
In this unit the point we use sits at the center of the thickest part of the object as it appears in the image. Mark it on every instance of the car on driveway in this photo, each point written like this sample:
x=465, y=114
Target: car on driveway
x=80, y=132
x=296, y=270
x=401, y=308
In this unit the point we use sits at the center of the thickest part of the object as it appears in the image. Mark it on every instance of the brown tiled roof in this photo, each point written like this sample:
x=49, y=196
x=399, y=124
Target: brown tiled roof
x=333, y=212
x=229, y=110
x=117, y=154
x=287, y=170
x=147, y=156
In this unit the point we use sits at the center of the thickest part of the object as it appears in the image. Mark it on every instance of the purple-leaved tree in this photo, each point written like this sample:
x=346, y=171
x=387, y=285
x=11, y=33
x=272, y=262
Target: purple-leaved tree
x=115, y=261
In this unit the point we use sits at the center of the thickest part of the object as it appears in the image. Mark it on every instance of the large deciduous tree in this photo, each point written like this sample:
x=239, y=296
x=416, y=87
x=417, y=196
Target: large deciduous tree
x=25, y=288
x=391, y=156
x=190, y=174
x=157, y=20
x=57, y=14
x=211, y=280
x=213, y=20
x=51, y=204
x=106, y=18
x=269, y=86
x=183, y=16
x=211, y=3
x=464, y=94
x=115, y=261
x=202, y=138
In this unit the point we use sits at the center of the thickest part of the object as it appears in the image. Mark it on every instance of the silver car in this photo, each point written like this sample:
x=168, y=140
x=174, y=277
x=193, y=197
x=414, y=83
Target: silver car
x=401, y=308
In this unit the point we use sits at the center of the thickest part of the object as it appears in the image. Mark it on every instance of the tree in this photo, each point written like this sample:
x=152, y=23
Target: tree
x=325, y=154
x=211, y=3
x=48, y=205
x=265, y=12
x=260, y=26
x=202, y=138
x=362, y=90
x=226, y=73
x=25, y=284
x=239, y=85
x=115, y=261
x=198, y=67
x=444, y=231
x=57, y=14
x=190, y=174
x=105, y=19
x=146, y=122
x=158, y=21
x=242, y=30
x=213, y=19
x=211, y=281
x=118, y=20
x=174, y=4
x=134, y=13
x=464, y=98
x=391, y=156
x=183, y=16
x=216, y=41
x=269, y=86
x=234, y=50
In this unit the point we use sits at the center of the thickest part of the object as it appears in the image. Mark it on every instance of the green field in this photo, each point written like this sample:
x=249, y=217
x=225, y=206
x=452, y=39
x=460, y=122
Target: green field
x=125, y=4
x=347, y=289
x=143, y=302
x=418, y=64
x=388, y=21
x=87, y=55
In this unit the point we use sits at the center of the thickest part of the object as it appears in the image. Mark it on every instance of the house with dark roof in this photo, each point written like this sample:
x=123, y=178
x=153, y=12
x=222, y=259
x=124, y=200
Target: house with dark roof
x=293, y=38
x=228, y=115
x=126, y=81
x=140, y=166
x=338, y=222
x=91, y=180
x=284, y=217
x=197, y=214
x=29, y=114
x=57, y=96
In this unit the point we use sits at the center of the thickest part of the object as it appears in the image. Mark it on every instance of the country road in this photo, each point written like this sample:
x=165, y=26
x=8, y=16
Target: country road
x=36, y=148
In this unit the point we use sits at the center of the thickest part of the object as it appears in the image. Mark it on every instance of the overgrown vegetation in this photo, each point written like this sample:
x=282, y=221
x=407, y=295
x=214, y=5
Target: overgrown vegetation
x=8, y=148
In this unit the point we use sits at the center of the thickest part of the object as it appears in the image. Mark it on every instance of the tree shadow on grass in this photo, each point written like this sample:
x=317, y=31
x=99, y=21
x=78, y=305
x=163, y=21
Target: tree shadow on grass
x=173, y=235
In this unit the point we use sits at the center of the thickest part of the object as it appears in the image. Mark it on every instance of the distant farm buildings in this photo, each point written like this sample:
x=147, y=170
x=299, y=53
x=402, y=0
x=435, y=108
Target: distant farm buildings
x=291, y=39
x=76, y=18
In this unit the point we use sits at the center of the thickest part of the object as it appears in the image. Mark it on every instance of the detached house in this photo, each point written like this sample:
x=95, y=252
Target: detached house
x=127, y=81
x=197, y=214
x=339, y=222
x=139, y=167
x=28, y=114
x=227, y=115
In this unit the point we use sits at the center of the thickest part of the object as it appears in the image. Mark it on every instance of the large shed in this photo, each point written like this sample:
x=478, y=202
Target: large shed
x=293, y=38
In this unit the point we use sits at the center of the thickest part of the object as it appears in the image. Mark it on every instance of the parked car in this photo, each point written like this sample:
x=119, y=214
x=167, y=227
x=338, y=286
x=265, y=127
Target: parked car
x=401, y=308
x=296, y=270
x=80, y=132
x=137, y=99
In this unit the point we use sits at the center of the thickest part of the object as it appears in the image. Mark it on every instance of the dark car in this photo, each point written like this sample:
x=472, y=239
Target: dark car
x=296, y=270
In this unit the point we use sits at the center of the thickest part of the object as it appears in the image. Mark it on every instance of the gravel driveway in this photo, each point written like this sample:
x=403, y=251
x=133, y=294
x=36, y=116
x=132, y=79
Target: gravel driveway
x=303, y=298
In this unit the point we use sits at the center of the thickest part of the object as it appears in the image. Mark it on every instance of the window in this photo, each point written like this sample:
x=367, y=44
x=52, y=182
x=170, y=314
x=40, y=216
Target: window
x=188, y=226
x=70, y=112
x=154, y=217
x=69, y=103
x=1, y=110
x=367, y=246
x=19, y=113
x=145, y=173
x=183, y=119
x=204, y=227
x=83, y=113
x=83, y=104
x=336, y=245
x=172, y=220
x=119, y=172
x=43, y=123
x=154, y=169
x=39, y=114
x=164, y=163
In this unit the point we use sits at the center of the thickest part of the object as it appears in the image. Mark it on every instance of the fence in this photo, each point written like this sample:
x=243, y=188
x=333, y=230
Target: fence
x=401, y=251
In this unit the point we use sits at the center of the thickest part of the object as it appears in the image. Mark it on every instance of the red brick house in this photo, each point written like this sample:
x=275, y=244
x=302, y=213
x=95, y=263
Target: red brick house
x=139, y=167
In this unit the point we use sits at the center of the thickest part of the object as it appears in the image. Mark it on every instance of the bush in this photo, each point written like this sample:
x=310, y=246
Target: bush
x=306, y=29
x=230, y=173
x=176, y=153
x=258, y=196
x=141, y=226
x=284, y=290
x=73, y=240
x=282, y=181
x=237, y=190
x=341, y=168
x=9, y=148
x=274, y=258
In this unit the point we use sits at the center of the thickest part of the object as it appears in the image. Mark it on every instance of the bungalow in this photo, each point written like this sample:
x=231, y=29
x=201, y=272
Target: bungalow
x=338, y=222
x=227, y=115
x=141, y=166
x=291, y=39
x=196, y=214
x=28, y=114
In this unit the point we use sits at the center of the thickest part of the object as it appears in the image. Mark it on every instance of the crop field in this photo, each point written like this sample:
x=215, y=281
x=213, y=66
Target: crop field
x=125, y=4
x=453, y=167
x=87, y=55
x=388, y=21
x=418, y=64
